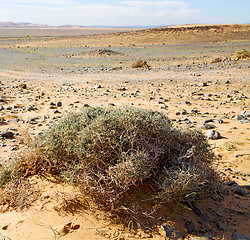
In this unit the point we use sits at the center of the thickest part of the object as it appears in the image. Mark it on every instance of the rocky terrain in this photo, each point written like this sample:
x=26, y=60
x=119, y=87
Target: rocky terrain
x=202, y=85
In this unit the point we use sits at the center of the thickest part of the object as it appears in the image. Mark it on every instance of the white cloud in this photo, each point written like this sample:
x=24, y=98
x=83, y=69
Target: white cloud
x=36, y=2
x=124, y=13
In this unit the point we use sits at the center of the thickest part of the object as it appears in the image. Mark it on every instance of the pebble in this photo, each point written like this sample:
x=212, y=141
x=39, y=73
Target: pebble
x=238, y=189
x=171, y=232
x=190, y=227
x=239, y=236
x=212, y=134
x=59, y=104
x=6, y=134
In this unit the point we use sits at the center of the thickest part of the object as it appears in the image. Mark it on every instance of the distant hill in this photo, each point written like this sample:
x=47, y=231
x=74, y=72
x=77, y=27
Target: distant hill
x=31, y=25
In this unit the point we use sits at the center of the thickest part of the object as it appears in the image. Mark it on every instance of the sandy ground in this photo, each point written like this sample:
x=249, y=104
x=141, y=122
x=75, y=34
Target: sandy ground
x=181, y=82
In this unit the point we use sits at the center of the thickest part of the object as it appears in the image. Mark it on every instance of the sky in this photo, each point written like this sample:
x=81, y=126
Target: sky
x=121, y=13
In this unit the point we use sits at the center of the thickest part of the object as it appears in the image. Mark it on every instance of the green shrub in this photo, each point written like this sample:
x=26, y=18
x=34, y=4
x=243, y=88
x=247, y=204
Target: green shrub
x=108, y=153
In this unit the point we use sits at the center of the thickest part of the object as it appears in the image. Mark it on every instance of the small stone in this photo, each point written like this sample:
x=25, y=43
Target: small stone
x=32, y=108
x=238, y=189
x=6, y=134
x=190, y=227
x=171, y=232
x=13, y=148
x=207, y=121
x=239, y=236
x=208, y=126
x=219, y=121
x=59, y=104
x=97, y=86
x=221, y=226
x=203, y=84
x=245, y=113
x=212, y=134
x=240, y=117
x=111, y=104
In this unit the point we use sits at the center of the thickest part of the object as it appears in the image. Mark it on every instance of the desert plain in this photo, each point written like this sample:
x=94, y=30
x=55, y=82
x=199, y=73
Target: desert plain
x=192, y=75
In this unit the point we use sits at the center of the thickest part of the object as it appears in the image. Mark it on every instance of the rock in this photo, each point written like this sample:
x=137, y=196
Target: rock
x=97, y=86
x=230, y=183
x=207, y=121
x=13, y=148
x=190, y=227
x=212, y=134
x=240, y=117
x=32, y=108
x=238, y=189
x=59, y=104
x=207, y=126
x=171, y=232
x=164, y=106
x=111, y=104
x=245, y=114
x=219, y=121
x=6, y=134
x=239, y=236
x=203, y=84
x=221, y=226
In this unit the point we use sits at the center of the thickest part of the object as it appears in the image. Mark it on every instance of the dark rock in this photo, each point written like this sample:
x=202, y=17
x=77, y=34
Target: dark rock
x=205, y=218
x=230, y=183
x=204, y=84
x=190, y=227
x=238, y=189
x=207, y=121
x=111, y=104
x=59, y=104
x=221, y=226
x=219, y=121
x=32, y=108
x=240, y=117
x=171, y=232
x=239, y=236
x=207, y=126
x=212, y=134
x=6, y=134
x=13, y=148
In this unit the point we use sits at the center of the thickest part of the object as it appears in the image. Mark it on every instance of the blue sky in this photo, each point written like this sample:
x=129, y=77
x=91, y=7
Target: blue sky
x=125, y=12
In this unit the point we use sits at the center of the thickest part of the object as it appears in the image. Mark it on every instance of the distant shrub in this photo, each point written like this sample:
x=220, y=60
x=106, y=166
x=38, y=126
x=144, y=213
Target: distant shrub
x=140, y=64
x=108, y=153
x=23, y=85
x=242, y=54
x=217, y=60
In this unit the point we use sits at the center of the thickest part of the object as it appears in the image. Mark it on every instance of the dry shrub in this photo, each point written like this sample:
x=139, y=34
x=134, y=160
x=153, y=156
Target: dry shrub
x=242, y=54
x=140, y=64
x=217, y=60
x=17, y=195
x=109, y=153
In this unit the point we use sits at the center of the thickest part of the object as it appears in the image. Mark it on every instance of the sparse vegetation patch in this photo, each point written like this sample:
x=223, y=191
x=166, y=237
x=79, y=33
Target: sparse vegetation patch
x=108, y=153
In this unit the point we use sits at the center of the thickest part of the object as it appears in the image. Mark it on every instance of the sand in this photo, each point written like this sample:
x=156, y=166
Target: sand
x=55, y=71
